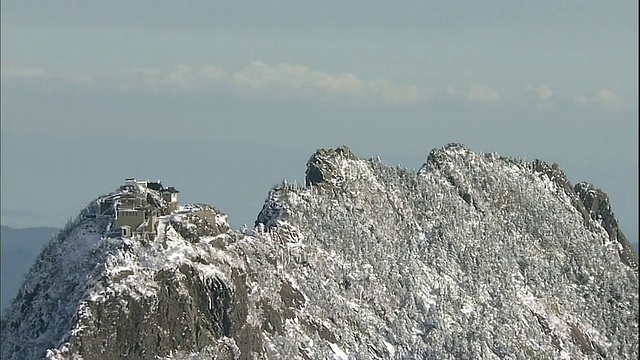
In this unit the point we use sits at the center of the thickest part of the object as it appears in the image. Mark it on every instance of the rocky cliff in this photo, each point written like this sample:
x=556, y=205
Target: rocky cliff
x=473, y=256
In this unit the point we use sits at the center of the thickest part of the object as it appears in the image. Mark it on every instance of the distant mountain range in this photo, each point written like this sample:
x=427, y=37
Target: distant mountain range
x=474, y=256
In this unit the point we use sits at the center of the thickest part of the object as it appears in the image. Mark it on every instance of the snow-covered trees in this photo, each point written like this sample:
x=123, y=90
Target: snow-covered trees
x=473, y=256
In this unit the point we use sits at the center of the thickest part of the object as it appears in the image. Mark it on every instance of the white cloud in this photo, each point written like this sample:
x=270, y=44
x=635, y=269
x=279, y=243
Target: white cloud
x=295, y=79
x=25, y=73
x=212, y=72
x=603, y=99
x=79, y=78
x=282, y=80
x=344, y=83
x=180, y=78
x=482, y=94
x=541, y=95
x=289, y=80
x=543, y=92
x=580, y=100
x=399, y=94
x=608, y=100
x=148, y=78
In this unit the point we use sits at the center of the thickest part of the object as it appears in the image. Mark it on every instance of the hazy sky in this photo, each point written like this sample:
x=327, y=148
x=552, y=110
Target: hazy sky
x=223, y=99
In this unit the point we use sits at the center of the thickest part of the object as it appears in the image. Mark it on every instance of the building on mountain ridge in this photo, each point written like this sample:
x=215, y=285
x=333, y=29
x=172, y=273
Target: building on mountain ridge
x=170, y=195
x=136, y=211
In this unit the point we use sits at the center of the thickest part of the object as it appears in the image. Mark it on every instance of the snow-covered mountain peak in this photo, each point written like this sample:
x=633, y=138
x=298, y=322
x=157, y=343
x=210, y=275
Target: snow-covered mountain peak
x=474, y=256
x=328, y=166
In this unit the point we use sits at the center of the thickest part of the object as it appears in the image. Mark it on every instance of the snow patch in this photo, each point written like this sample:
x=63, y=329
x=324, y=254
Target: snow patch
x=390, y=348
x=338, y=354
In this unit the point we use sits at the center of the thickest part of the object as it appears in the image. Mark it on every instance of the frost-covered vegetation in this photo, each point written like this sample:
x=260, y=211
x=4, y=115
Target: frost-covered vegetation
x=475, y=256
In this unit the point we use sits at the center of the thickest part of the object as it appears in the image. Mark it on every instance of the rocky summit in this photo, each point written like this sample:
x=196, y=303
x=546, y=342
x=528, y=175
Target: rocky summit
x=472, y=256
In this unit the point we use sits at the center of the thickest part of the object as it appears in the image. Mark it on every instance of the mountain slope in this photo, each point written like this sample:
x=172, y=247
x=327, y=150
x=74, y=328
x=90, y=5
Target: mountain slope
x=19, y=249
x=474, y=256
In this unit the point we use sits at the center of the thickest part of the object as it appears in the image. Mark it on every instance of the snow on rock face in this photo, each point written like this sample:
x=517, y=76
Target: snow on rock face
x=596, y=202
x=42, y=311
x=324, y=165
x=476, y=253
x=476, y=256
x=106, y=298
x=195, y=221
